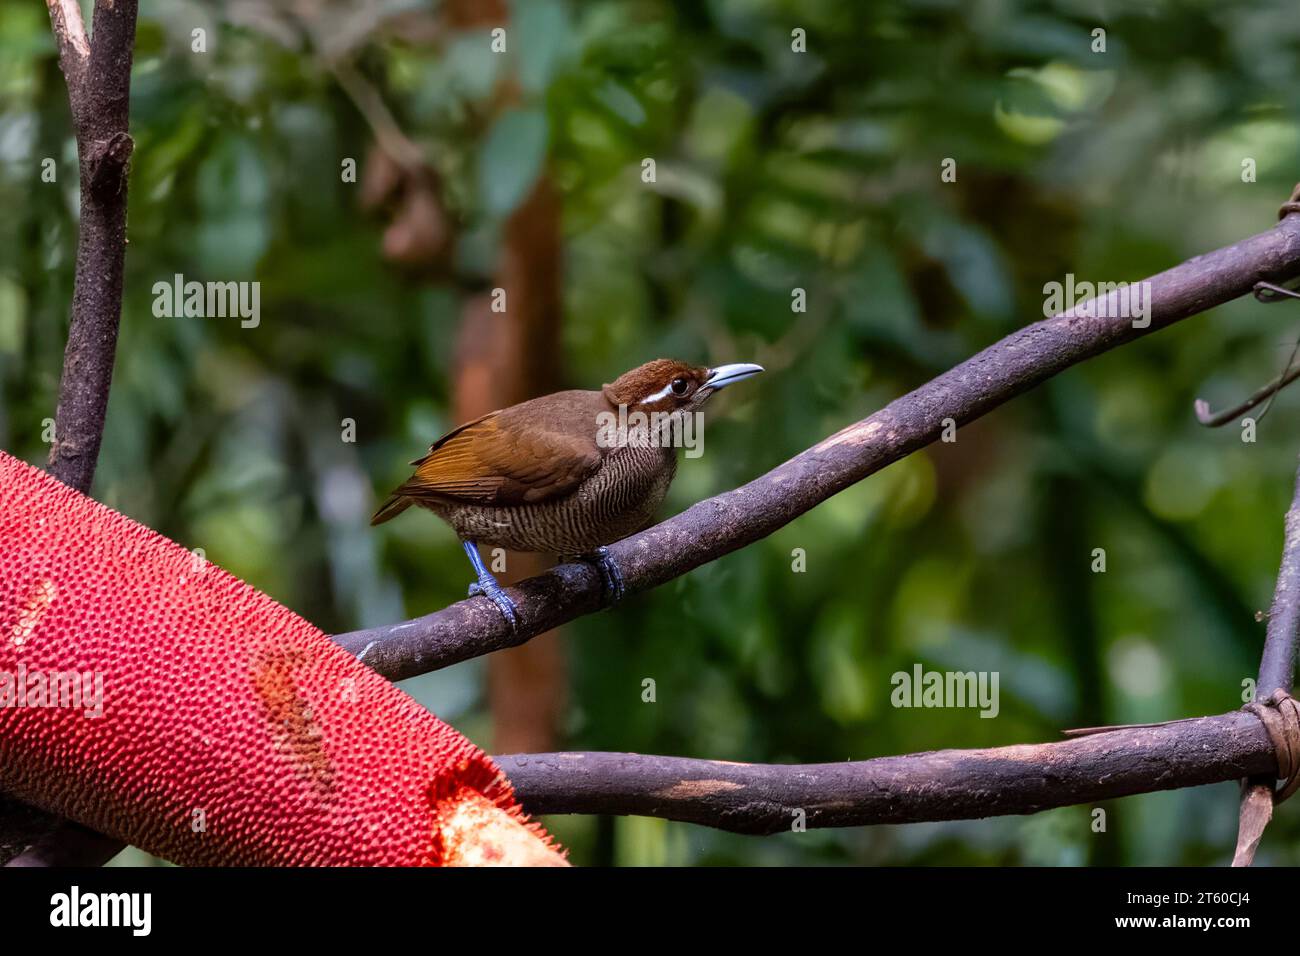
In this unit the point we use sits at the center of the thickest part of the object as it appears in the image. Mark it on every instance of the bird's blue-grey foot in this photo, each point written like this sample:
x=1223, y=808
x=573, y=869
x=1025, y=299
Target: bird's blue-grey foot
x=609, y=573
x=487, y=586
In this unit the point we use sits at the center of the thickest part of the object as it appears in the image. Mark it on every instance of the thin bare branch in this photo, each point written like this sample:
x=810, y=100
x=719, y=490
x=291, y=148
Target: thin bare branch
x=1264, y=292
x=1213, y=419
x=387, y=131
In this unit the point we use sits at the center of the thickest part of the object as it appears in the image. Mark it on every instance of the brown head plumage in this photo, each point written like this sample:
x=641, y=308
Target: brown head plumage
x=663, y=385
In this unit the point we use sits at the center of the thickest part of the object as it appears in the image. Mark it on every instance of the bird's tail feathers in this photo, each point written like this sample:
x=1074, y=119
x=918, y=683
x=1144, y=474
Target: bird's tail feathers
x=394, y=506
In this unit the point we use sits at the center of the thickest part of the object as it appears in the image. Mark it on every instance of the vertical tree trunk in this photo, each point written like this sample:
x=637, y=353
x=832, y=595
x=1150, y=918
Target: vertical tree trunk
x=504, y=358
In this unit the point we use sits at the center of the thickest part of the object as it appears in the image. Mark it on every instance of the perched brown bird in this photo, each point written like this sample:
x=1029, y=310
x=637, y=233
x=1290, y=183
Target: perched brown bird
x=567, y=473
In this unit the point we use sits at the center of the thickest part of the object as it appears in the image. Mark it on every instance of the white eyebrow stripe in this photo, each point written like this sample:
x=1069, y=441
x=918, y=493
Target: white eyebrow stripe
x=662, y=393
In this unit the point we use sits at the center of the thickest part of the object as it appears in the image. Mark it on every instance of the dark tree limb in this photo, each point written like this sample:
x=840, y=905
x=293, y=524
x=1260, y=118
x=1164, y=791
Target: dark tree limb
x=720, y=525
x=1276, y=672
x=69, y=844
x=939, y=785
x=98, y=74
x=1277, y=664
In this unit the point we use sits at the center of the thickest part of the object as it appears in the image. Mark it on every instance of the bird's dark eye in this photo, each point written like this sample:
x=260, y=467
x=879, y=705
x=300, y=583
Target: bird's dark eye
x=680, y=386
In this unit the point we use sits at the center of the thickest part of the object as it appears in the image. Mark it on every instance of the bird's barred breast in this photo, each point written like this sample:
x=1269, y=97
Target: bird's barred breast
x=620, y=499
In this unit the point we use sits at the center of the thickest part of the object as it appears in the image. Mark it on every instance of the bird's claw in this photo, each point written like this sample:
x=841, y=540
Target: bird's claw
x=497, y=595
x=609, y=573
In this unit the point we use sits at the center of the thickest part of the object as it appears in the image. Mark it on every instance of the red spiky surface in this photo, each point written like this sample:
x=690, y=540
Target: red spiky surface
x=233, y=731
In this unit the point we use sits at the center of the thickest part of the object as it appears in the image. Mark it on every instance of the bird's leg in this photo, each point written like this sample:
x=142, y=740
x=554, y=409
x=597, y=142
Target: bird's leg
x=487, y=586
x=609, y=573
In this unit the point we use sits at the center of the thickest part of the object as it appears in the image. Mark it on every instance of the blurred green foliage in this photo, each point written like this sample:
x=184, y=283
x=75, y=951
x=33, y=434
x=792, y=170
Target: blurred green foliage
x=775, y=170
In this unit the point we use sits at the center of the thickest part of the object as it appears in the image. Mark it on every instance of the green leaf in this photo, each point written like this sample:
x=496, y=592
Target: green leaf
x=470, y=68
x=545, y=25
x=233, y=189
x=511, y=159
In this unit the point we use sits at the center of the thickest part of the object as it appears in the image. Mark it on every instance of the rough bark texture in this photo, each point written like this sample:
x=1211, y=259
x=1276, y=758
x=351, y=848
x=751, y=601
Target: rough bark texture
x=939, y=785
x=729, y=521
x=1277, y=664
x=99, y=86
x=1276, y=672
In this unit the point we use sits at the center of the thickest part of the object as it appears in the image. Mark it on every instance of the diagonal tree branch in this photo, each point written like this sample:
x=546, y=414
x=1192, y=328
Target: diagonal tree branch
x=939, y=785
x=720, y=525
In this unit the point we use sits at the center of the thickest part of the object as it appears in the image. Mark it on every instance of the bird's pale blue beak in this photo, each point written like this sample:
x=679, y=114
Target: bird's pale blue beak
x=725, y=375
